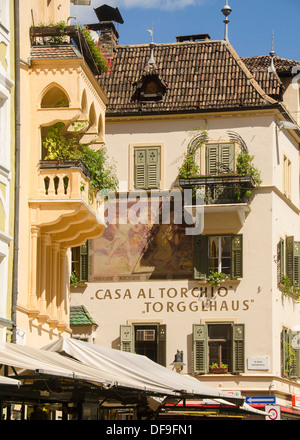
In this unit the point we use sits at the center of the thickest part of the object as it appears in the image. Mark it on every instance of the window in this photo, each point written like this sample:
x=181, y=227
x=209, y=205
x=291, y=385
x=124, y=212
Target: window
x=80, y=261
x=150, y=88
x=147, y=169
x=288, y=260
x=290, y=354
x=218, y=254
x=147, y=340
x=218, y=342
x=220, y=158
x=287, y=177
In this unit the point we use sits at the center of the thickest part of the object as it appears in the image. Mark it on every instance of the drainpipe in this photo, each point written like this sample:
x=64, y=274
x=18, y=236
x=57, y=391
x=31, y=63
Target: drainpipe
x=17, y=171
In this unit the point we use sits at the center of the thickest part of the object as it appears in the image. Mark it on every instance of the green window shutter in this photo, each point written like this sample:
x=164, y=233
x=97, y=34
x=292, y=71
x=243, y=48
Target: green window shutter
x=162, y=344
x=296, y=268
x=219, y=158
x=284, y=350
x=200, y=362
x=147, y=168
x=237, y=256
x=153, y=168
x=290, y=258
x=212, y=158
x=127, y=338
x=238, y=348
x=295, y=368
x=200, y=249
x=280, y=260
x=226, y=158
x=140, y=158
x=84, y=262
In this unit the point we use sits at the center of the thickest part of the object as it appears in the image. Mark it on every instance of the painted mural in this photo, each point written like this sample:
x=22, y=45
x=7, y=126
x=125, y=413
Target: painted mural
x=137, y=251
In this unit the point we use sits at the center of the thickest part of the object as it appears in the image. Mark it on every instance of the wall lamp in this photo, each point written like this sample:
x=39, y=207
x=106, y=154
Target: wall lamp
x=287, y=125
x=178, y=361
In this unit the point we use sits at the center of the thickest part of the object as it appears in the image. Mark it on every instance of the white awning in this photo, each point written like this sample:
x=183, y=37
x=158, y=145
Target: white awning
x=145, y=373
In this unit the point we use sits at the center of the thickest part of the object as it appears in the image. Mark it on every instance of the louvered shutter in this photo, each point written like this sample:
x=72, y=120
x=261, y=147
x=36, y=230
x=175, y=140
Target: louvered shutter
x=200, y=249
x=127, y=338
x=296, y=268
x=153, y=168
x=294, y=340
x=162, y=344
x=238, y=348
x=200, y=362
x=212, y=159
x=290, y=258
x=226, y=158
x=219, y=158
x=280, y=261
x=237, y=256
x=84, y=262
x=140, y=158
x=284, y=350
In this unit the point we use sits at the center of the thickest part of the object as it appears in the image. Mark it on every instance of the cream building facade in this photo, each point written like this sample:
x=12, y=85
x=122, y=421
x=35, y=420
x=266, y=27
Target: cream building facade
x=7, y=158
x=148, y=287
x=57, y=212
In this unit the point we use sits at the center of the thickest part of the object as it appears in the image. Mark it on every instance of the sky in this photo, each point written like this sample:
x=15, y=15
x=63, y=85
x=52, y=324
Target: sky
x=253, y=24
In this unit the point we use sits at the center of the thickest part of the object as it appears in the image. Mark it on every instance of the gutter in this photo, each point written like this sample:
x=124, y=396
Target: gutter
x=17, y=172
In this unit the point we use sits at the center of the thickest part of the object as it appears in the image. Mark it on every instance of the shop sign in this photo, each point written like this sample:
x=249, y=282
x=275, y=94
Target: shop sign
x=296, y=400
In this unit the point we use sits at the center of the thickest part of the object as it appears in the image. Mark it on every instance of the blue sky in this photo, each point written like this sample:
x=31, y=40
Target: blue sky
x=252, y=22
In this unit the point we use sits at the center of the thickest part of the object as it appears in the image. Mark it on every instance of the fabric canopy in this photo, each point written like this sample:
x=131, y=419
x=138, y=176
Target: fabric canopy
x=147, y=375
x=108, y=368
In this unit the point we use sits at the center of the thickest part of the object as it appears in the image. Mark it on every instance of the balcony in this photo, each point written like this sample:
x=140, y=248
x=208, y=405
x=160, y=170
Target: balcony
x=65, y=204
x=228, y=195
x=72, y=35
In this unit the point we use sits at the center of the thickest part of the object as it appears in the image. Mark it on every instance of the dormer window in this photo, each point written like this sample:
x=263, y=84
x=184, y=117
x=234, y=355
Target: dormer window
x=150, y=89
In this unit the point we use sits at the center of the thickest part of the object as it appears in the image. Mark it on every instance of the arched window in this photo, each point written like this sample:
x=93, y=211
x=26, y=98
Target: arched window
x=55, y=97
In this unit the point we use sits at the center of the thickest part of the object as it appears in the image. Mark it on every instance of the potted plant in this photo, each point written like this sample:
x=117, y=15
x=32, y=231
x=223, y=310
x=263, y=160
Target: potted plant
x=216, y=278
x=217, y=368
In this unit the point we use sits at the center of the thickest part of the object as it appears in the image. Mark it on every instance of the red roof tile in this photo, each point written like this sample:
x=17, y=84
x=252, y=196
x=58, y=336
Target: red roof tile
x=200, y=76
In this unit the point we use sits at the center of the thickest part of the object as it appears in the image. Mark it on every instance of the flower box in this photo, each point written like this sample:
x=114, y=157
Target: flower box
x=218, y=370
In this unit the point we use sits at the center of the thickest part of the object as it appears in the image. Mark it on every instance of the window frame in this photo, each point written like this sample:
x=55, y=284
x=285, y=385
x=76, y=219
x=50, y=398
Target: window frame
x=132, y=169
x=200, y=350
x=127, y=338
x=201, y=255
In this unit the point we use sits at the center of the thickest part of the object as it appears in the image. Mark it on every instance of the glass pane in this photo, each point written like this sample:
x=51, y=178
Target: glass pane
x=213, y=254
x=219, y=331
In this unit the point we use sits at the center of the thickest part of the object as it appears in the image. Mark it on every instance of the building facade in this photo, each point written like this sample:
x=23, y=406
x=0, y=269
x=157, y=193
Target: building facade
x=194, y=115
x=7, y=159
x=59, y=99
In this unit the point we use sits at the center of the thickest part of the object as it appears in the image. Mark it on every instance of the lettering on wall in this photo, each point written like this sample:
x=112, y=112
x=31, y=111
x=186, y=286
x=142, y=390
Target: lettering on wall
x=171, y=299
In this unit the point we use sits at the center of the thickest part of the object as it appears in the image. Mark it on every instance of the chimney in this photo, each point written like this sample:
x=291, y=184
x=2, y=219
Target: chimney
x=109, y=36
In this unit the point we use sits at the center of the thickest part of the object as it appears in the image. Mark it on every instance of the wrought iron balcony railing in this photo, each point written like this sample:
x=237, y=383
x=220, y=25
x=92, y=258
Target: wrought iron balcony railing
x=225, y=189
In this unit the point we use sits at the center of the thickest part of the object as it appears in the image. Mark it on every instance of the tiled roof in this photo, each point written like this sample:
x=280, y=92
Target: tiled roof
x=54, y=52
x=263, y=62
x=80, y=316
x=270, y=82
x=200, y=76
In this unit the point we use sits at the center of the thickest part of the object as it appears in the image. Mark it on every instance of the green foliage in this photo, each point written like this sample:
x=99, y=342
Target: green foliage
x=289, y=288
x=189, y=167
x=215, y=365
x=74, y=280
x=60, y=147
x=99, y=57
x=290, y=357
x=245, y=166
x=216, y=278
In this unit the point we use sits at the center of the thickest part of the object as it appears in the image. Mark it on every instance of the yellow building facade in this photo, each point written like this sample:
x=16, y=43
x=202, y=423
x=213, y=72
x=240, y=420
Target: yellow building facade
x=7, y=124
x=57, y=210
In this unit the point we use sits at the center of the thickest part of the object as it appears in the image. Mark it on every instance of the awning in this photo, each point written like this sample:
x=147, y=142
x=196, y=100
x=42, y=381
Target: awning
x=109, y=369
x=147, y=375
